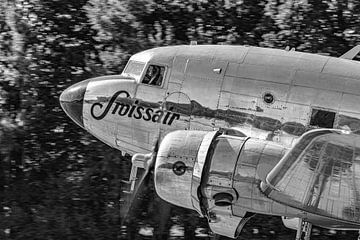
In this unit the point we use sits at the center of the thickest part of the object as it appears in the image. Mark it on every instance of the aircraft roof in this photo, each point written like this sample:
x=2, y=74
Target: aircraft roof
x=253, y=55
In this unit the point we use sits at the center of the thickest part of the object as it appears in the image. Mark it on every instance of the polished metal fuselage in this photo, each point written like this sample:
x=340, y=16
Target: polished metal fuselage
x=224, y=86
x=211, y=87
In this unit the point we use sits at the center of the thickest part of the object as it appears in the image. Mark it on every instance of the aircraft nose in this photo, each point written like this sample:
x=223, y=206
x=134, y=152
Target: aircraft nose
x=71, y=101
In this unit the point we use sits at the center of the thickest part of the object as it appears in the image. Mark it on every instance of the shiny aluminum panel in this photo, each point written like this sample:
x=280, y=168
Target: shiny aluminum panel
x=202, y=153
x=199, y=166
x=349, y=121
x=97, y=98
x=338, y=66
x=326, y=82
x=217, y=179
x=177, y=148
x=320, y=175
x=285, y=59
x=281, y=74
x=200, y=73
x=223, y=160
x=224, y=222
x=219, y=168
x=256, y=160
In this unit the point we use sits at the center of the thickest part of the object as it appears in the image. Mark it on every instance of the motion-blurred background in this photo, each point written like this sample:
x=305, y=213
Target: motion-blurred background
x=57, y=181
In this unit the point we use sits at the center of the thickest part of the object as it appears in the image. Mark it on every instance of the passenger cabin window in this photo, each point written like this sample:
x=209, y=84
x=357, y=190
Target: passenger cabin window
x=322, y=118
x=154, y=75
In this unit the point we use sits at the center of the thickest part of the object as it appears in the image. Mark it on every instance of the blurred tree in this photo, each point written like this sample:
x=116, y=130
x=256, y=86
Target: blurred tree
x=11, y=133
x=314, y=26
x=125, y=27
x=56, y=181
x=212, y=22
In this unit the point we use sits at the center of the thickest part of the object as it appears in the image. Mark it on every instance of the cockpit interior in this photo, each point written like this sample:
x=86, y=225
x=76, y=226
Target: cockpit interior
x=154, y=74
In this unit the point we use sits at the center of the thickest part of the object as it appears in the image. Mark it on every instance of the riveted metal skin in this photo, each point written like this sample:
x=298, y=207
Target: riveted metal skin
x=105, y=102
x=131, y=116
x=233, y=98
x=217, y=181
x=320, y=175
x=199, y=167
x=178, y=146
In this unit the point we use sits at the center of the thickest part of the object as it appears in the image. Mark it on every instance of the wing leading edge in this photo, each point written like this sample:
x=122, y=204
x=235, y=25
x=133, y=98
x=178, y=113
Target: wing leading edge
x=320, y=175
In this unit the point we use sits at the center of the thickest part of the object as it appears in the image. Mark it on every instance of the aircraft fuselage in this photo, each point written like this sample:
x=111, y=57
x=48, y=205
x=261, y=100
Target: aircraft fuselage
x=271, y=94
x=267, y=94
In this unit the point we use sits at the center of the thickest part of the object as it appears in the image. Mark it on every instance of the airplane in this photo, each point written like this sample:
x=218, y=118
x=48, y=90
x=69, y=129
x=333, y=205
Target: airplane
x=232, y=131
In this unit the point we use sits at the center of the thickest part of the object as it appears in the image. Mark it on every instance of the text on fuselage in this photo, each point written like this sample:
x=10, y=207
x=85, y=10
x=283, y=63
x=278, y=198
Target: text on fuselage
x=133, y=110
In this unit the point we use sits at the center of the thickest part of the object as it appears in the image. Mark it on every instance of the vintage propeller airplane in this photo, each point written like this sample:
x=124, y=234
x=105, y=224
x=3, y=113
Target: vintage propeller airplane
x=232, y=131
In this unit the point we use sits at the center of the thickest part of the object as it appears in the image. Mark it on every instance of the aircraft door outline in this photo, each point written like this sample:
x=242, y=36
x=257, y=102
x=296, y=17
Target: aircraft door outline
x=202, y=82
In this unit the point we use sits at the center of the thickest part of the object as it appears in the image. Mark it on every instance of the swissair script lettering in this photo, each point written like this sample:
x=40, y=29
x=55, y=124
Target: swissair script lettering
x=134, y=110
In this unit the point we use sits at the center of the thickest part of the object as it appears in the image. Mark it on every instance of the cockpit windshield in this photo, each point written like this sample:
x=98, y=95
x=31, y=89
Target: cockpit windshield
x=134, y=69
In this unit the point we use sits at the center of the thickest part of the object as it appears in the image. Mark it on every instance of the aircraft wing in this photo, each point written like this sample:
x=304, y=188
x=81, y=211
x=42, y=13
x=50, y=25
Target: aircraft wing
x=320, y=175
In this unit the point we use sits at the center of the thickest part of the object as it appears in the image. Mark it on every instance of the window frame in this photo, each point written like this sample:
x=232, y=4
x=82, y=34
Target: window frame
x=335, y=122
x=142, y=72
x=146, y=69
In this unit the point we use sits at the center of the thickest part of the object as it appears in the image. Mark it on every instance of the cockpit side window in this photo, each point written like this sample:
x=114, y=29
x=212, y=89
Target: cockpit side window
x=154, y=75
x=134, y=69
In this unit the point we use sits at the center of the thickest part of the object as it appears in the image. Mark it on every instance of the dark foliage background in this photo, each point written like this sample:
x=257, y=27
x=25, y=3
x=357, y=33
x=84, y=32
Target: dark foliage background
x=58, y=182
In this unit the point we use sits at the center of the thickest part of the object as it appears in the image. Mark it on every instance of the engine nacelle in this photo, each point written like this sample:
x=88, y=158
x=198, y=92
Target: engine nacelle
x=174, y=166
x=197, y=170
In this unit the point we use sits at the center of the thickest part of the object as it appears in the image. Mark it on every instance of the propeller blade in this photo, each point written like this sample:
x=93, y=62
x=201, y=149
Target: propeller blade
x=133, y=199
x=142, y=186
x=162, y=219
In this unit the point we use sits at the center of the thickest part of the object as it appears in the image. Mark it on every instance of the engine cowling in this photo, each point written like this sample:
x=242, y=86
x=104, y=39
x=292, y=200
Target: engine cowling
x=179, y=167
x=197, y=170
x=221, y=177
x=174, y=166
